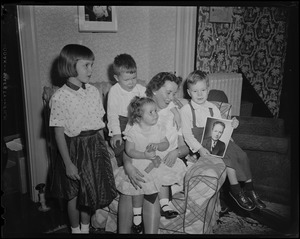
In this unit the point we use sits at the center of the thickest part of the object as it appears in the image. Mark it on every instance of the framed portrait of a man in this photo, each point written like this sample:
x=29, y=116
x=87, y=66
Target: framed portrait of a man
x=216, y=136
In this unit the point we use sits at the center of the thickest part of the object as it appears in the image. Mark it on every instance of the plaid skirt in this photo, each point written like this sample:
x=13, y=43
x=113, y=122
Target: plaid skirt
x=96, y=188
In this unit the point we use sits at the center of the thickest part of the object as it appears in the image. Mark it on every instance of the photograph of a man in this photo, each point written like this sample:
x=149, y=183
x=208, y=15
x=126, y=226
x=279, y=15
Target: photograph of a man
x=213, y=142
x=216, y=136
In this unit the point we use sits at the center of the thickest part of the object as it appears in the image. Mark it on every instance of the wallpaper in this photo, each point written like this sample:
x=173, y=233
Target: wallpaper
x=254, y=40
x=143, y=32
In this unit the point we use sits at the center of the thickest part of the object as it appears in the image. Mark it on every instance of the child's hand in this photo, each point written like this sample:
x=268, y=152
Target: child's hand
x=235, y=122
x=150, y=154
x=115, y=139
x=156, y=161
x=72, y=172
x=152, y=147
x=203, y=152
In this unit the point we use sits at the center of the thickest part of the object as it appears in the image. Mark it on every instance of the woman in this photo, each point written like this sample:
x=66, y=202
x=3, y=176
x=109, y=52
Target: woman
x=161, y=89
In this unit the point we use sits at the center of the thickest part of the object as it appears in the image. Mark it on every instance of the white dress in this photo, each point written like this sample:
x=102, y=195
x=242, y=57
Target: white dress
x=163, y=175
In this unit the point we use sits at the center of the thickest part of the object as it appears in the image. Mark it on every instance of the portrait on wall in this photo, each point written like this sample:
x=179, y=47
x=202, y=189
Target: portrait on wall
x=94, y=18
x=216, y=136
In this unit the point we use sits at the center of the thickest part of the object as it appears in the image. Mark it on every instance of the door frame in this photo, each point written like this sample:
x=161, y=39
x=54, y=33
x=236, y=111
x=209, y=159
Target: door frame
x=36, y=145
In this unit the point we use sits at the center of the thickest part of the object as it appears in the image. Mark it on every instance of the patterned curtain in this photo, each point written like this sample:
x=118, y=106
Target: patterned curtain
x=254, y=40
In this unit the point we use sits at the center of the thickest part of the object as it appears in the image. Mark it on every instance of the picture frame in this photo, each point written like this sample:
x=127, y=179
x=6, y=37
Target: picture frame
x=94, y=18
x=220, y=14
x=212, y=133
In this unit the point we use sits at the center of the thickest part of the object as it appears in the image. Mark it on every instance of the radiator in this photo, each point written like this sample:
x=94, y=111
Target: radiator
x=231, y=84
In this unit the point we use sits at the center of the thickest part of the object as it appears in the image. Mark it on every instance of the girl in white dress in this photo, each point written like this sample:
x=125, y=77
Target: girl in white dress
x=146, y=142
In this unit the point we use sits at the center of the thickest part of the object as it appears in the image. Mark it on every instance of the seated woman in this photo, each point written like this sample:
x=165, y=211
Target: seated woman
x=162, y=89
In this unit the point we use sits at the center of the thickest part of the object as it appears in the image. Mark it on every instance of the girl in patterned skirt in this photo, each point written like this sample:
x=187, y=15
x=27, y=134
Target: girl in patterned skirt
x=82, y=172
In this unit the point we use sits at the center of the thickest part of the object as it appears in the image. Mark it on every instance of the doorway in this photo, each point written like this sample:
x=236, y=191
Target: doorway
x=14, y=162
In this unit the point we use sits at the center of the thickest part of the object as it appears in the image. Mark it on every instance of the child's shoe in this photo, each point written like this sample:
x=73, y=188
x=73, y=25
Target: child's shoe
x=137, y=229
x=243, y=201
x=255, y=199
x=75, y=230
x=168, y=214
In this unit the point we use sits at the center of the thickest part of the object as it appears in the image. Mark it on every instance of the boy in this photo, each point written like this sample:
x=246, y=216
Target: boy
x=236, y=160
x=119, y=97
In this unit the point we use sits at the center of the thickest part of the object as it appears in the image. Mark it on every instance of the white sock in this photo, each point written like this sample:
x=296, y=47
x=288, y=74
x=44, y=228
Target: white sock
x=137, y=219
x=163, y=202
x=85, y=228
x=75, y=230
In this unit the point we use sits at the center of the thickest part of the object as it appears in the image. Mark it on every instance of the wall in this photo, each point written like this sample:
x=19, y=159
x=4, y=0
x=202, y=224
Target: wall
x=143, y=32
x=147, y=33
x=255, y=42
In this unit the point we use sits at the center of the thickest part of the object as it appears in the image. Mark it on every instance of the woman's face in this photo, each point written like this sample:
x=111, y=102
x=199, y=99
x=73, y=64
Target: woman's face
x=165, y=94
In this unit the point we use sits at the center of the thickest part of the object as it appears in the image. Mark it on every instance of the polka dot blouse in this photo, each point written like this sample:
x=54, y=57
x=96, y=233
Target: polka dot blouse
x=77, y=110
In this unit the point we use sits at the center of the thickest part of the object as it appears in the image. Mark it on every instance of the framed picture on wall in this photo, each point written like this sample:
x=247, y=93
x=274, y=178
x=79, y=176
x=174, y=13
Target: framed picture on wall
x=94, y=18
x=220, y=14
x=216, y=136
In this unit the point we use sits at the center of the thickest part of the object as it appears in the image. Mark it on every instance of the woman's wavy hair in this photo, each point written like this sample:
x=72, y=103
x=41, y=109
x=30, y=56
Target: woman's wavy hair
x=135, y=108
x=69, y=56
x=159, y=80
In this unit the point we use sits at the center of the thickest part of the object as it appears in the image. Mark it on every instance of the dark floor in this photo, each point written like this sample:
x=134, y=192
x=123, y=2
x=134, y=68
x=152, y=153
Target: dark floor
x=22, y=217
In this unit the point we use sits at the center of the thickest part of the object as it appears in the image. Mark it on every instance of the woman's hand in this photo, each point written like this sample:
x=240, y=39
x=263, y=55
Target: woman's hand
x=134, y=175
x=170, y=158
x=203, y=152
x=235, y=122
x=177, y=102
x=72, y=172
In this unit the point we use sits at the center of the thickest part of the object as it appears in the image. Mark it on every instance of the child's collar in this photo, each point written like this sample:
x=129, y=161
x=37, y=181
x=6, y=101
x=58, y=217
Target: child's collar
x=75, y=87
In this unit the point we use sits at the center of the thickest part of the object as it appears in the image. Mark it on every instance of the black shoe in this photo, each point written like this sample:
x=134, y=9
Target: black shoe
x=168, y=214
x=243, y=201
x=137, y=229
x=94, y=230
x=255, y=199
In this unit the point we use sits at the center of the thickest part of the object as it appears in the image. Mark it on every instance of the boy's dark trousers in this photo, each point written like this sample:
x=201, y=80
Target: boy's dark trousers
x=119, y=149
